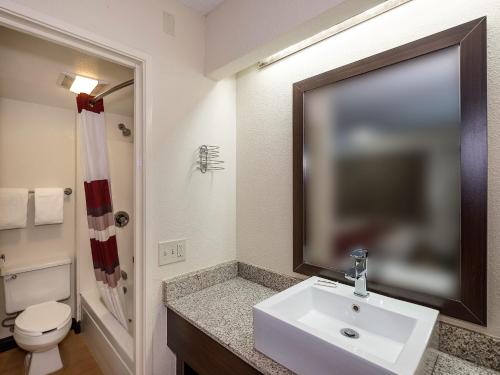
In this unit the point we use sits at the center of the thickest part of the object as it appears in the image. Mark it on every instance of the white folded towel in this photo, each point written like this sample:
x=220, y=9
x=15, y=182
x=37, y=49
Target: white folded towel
x=49, y=206
x=13, y=208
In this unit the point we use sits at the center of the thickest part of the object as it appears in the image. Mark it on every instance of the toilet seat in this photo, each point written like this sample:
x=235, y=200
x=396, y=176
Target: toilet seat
x=43, y=318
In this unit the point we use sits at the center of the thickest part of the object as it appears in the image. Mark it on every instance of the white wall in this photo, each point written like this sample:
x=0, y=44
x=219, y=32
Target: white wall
x=240, y=32
x=199, y=207
x=37, y=149
x=121, y=168
x=264, y=129
x=188, y=110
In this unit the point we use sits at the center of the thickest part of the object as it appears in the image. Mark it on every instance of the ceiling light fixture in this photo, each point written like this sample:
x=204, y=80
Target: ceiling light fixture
x=83, y=84
x=342, y=26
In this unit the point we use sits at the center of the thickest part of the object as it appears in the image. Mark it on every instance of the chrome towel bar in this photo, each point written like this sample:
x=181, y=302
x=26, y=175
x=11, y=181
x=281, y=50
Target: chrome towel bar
x=67, y=191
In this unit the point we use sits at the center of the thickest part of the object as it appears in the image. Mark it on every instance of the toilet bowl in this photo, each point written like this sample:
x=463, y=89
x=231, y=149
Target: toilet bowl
x=39, y=329
x=32, y=287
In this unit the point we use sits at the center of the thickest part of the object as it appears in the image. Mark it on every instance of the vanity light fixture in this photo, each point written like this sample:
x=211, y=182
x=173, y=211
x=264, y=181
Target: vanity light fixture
x=83, y=84
x=342, y=26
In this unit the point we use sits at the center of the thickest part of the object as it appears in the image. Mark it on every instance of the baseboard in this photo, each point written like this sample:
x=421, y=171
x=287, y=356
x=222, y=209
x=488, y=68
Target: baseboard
x=7, y=343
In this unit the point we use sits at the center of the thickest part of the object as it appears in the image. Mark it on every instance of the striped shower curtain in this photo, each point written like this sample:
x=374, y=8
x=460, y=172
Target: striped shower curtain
x=94, y=150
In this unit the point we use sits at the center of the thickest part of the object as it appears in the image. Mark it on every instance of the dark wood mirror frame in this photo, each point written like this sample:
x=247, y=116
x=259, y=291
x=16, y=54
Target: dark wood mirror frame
x=471, y=37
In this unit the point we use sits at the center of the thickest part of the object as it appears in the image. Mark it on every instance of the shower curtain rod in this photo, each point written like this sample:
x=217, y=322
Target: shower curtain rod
x=111, y=90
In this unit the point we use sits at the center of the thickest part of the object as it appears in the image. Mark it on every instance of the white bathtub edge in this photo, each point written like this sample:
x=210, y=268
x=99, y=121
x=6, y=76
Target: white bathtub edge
x=102, y=327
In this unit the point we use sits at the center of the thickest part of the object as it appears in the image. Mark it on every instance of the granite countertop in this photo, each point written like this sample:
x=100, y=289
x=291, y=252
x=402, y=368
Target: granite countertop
x=219, y=301
x=224, y=312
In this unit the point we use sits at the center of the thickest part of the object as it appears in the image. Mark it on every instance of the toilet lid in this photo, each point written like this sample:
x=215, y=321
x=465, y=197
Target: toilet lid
x=43, y=317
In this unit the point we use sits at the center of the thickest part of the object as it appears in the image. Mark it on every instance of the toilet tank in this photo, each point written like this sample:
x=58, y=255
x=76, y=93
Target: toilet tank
x=35, y=281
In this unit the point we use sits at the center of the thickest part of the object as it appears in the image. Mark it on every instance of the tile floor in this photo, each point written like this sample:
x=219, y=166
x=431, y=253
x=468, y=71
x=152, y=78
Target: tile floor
x=75, y=355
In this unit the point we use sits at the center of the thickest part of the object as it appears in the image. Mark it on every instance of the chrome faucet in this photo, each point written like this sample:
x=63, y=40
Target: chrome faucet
x=358, y=272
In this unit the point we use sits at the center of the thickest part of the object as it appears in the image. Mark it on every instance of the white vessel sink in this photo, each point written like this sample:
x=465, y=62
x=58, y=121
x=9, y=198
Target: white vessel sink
x=300, y=328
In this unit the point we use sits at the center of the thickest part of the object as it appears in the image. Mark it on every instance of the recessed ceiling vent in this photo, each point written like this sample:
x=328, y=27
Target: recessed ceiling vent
x=65, y=80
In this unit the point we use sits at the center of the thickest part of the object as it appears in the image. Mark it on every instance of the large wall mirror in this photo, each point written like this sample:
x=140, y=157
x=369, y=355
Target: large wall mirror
x=390, y=154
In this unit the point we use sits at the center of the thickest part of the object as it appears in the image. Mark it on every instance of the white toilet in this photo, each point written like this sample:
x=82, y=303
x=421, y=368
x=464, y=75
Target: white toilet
x=35, y=288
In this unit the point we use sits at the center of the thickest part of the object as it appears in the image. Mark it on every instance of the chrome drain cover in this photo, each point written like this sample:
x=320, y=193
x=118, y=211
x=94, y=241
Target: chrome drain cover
x=349, y=332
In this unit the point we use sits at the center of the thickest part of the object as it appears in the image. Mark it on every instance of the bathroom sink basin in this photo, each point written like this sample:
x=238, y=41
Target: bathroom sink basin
x=321, y=327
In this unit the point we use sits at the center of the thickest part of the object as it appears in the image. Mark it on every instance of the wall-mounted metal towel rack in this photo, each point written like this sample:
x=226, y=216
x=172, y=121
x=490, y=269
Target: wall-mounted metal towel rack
x=67, y=191
x=209, y=159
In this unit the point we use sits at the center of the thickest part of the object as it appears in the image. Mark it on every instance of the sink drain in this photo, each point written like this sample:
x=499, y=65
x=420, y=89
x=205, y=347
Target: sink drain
x=348, y=332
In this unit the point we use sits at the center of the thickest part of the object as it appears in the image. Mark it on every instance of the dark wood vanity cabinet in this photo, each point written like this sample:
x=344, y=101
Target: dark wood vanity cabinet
x=197, y=353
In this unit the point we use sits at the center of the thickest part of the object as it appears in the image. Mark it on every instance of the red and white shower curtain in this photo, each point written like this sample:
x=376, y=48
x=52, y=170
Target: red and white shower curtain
x=94, y=150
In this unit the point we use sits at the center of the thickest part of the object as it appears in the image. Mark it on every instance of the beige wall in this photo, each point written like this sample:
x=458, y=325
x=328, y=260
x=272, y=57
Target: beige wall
x=264, y=129
x=121, y=166
x=37, y=149
x=266, y=27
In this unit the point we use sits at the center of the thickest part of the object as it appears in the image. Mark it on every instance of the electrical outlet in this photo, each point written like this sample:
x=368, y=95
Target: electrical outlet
x=171, y=252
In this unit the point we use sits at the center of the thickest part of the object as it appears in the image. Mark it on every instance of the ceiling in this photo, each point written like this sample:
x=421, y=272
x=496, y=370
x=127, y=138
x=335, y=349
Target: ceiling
x=202, y=6
x=30, y=68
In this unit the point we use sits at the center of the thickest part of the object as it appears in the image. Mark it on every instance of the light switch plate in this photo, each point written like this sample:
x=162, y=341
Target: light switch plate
x=171, y=252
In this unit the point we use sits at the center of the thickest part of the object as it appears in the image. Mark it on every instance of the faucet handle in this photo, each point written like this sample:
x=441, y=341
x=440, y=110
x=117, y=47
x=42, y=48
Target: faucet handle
x=351, y=274
x=359, y=254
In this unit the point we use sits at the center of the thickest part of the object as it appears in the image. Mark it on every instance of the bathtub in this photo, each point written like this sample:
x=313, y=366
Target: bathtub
x=109, y=342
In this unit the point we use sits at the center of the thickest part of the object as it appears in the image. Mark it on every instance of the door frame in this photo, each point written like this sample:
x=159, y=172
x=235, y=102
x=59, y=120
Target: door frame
x=26, y=20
